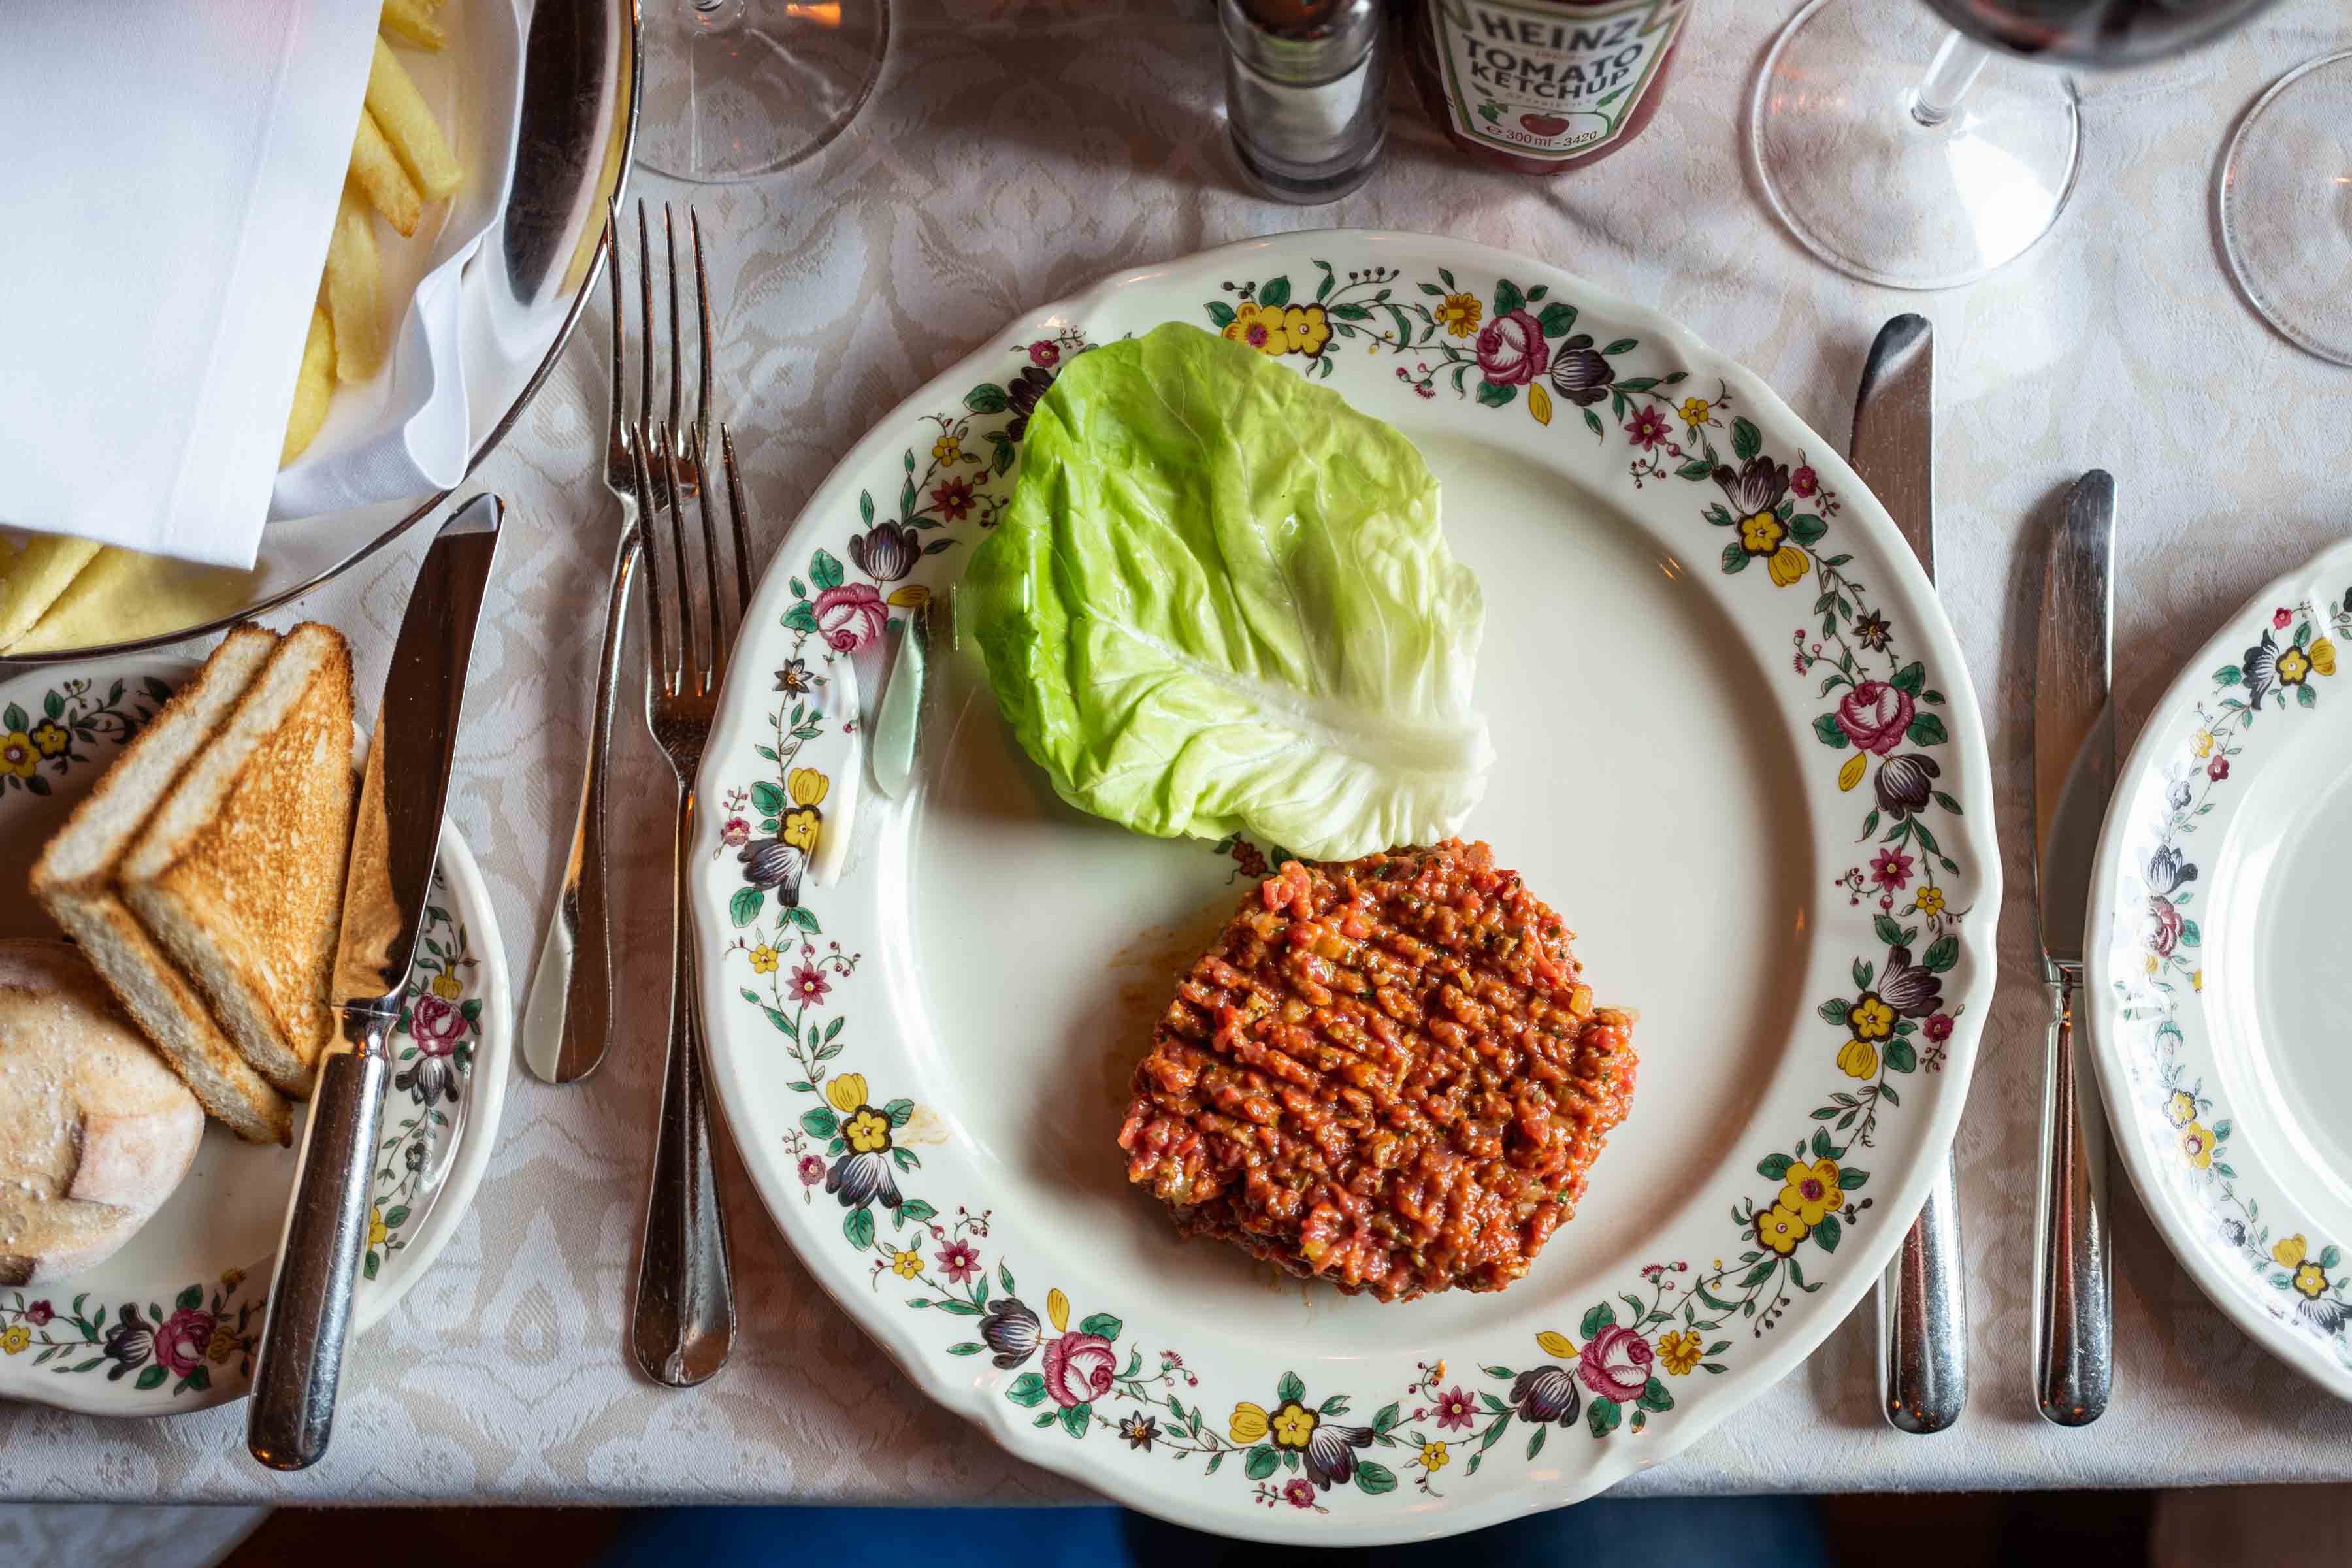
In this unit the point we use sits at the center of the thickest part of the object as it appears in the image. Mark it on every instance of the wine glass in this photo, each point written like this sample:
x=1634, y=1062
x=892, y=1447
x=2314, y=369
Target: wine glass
x=1924, y=148
x=2286, y=207
x=736, y=89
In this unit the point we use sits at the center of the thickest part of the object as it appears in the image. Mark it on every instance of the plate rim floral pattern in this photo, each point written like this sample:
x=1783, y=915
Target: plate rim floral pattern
x=2277, y=1273
x=74, y=1334
x=1891, y=740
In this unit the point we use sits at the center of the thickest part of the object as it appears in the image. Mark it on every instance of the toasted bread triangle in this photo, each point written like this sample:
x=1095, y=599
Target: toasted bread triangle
x=239, y=874
x=74, y=881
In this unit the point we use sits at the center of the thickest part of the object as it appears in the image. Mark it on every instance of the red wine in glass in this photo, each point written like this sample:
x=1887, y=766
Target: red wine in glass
x=2098, y=33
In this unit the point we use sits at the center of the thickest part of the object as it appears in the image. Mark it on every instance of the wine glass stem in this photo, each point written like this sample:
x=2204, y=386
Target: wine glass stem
x=1950, y=74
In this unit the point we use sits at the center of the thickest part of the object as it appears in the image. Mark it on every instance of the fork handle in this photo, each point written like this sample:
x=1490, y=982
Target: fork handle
x=568, y=1020
x=2074, y=1262
x=685, y=1318
x=1922, y=1319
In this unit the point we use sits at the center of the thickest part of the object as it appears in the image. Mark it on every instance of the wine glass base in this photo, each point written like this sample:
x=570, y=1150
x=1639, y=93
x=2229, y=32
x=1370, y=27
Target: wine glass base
x=2286, y=207
x=737, y=89
x=1868, y=187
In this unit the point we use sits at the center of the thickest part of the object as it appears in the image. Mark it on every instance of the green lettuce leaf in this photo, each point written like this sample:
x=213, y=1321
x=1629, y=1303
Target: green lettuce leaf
x=1220, y=601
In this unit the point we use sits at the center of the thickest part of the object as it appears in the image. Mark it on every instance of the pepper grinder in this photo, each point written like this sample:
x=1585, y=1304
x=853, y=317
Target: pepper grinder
x=1305, y=93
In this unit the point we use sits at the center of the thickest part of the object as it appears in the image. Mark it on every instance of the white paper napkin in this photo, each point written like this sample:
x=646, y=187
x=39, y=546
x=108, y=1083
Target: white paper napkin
x=172, y=177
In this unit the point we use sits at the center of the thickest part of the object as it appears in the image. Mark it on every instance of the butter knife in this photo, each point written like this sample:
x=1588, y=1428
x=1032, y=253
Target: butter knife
x=2074, y=774
x=395, y=839
x=1923, y=1303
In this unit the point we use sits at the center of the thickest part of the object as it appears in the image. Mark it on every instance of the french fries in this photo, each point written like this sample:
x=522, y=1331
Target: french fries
x=312, y=387
x=412, y=20
x=353, y=285
x=399, y=108
x=379, y=173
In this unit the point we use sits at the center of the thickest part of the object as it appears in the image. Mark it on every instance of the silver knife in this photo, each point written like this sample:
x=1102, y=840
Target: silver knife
x=395, y=838
x=1923, y=1303
x=2074, y=774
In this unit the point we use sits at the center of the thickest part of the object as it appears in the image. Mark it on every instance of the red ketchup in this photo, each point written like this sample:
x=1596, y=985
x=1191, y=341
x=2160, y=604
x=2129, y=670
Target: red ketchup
x=1541, y=87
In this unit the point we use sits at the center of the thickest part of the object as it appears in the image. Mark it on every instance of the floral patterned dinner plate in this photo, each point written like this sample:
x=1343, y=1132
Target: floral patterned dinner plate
x=1739, y=753
x=2218, y=970
x=171, y=1322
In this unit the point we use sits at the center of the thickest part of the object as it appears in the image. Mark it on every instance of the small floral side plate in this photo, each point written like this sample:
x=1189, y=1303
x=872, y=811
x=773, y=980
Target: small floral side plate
x=2220, y=974
x=1737, y=751
x=171, y=1323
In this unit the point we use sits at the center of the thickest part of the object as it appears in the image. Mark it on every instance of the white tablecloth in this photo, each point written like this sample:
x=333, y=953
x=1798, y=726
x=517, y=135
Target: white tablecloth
x=1017, y=152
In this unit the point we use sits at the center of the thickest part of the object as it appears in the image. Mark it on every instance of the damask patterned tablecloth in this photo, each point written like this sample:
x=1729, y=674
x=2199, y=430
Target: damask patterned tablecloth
x=1014, y=152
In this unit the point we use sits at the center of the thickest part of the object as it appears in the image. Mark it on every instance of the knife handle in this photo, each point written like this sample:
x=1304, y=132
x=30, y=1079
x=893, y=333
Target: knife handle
x=300, y=1360
x=1922, y=1319
x=2074, y=1326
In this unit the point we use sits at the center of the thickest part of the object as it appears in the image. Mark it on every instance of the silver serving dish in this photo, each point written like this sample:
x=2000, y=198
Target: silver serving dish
x=576, y=134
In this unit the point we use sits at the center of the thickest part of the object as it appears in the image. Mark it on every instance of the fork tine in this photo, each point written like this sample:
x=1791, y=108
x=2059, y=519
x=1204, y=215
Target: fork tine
x=616, y=419
x=702, y=307
x=657, y=654
x=736, y=506
x=645, y=324
x=710, y=563
x=689, y=661
x=671, y=446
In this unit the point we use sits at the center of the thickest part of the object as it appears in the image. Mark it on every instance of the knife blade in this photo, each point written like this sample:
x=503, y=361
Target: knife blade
x=1923, y=1307
x=395, y=841
x=2074, y=774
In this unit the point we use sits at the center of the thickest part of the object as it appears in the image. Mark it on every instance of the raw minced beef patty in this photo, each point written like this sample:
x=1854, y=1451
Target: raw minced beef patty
x=1385, y=1074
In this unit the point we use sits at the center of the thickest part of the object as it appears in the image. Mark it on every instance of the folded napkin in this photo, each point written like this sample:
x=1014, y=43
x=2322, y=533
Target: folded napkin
x=173, y=172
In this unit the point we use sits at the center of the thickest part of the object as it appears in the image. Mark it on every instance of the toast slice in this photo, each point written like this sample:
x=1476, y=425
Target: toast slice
x=239, y=873
x=74, y=881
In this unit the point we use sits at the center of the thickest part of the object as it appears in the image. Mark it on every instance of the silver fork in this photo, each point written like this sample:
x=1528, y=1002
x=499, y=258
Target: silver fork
x=567, y=1019
x=684, y=1324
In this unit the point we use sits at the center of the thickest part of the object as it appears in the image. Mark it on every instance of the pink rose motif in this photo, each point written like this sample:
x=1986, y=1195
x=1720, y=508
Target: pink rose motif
x=2218, y=769
x=1512, y=350
x=1616, y=1364
x=1044, y=352
x=39, y=1313
x=1939, y=1028
x=1804, y=481
x=1298, y=1492
x=811, y=1170
x=435, y=1025
x=2280, y=617
x=2166, y=917
x=179, y=1343
x=736, y=834
x=850, y=616
x=1874, y=716
x=1077, y=1368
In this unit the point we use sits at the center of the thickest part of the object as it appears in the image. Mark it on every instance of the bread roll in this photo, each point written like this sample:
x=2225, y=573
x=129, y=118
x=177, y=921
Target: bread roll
x=95, y=1130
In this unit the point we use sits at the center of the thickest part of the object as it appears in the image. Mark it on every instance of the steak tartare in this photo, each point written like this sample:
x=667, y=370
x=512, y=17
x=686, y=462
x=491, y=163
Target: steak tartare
x=1386, y=1074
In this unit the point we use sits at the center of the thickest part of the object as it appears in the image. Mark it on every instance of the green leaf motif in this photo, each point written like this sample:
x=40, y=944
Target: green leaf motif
x=1259, y=1462
x=989, y=398
x=1807, y=529
x=1076, y=1418
x=1273, y=293
x=1654, y=1396
x=2303, y=695
x=859, y=1228
x=899, y=1112
x=1556, y=319
x=1912, y=677
x=1849, y=1180
x=1826, y=730
x=1595, y=1319
x=744, y=906
x=916, y=1210
x=1735, y=560
x=801, y=617
x=1834, y=1010
x=825, y=569
x=1495, y=395
x=1290, y=1388
x=1221, y=314
x=1887, y=931
x=1941, y=955
x=1602, y=1417
x=1829, y=1233
x=2228, y=675
x=1374, y=1479
x=802, y=919
x=1746, y=439
x=1925, y=730
x=1772, y=1167
x=1101, y=1323
x=193, y=1295
x=1507, y=297
x=1028, y=1389
x=1900, y=1056
x=154, y=1375
x=819, y=1121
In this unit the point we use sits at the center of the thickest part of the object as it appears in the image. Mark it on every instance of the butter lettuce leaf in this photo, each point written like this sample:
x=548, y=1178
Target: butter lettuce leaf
x=1220, y=601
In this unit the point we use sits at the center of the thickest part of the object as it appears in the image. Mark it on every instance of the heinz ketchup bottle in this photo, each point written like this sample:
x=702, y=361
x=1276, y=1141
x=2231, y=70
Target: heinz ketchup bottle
x=1540, y=87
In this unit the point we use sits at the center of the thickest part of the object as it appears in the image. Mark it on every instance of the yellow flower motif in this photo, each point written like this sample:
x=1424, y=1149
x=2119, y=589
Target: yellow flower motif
x=1459, y=314
x=50, y=737
x=1292, y=1425
x=17, y=755
x=946, y=451
x=846, y=1092
x=1433, y=1456
x=2312, y=1280
x=2291, y=1251
x=232, y=1278
x=2150, y=964
x=445, y=986
x=2196, y=980
x=1260, y=328
x=1761, y=534
x=1307, y=328
x=2182, y=1108
x=376, y=1231
x=1931, y=900
x=2197, y=1143
x=1857, y=1058
x=1248, y=1423
x=1812, y=1191
x=223, y=1344
x=1779, y=1230
x=2323, y=656
x=1788, y=564
x=15, y=1337
x=2201, y=743
x=2294, y=666
x=1695, y=410
x=764, y=960
x=1870, y=1018
x=1679, y=1351
x=806, y=787
x=800, y=827
x=908, y=1264
x=867, y=1132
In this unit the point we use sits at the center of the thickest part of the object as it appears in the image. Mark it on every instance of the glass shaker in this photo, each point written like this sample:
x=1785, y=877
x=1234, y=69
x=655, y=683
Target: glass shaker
x=1305, y=93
